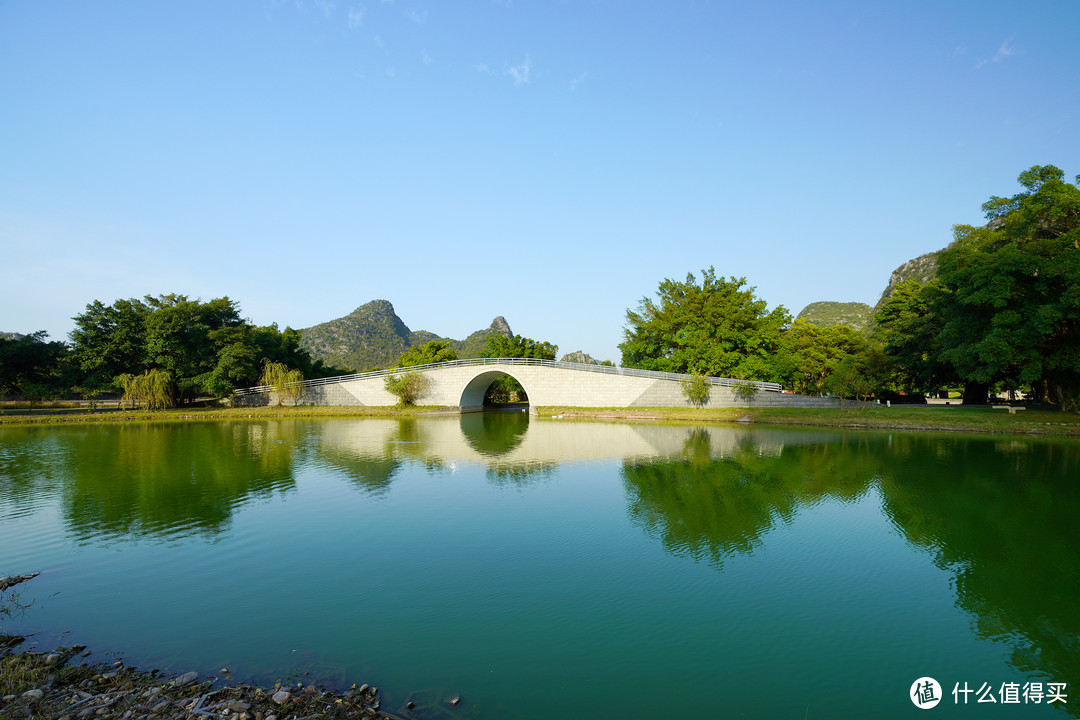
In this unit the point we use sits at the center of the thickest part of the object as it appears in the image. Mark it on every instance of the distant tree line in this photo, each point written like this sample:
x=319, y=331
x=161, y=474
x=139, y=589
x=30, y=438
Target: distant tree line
x=1003, y=313
x=158, y=351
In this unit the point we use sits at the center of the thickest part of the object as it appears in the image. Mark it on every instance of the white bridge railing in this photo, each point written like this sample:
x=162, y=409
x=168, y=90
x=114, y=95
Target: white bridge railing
x=583, y=367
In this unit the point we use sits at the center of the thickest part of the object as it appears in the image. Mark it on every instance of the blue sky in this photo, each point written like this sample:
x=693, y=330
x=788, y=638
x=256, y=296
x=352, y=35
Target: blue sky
x=550, y=162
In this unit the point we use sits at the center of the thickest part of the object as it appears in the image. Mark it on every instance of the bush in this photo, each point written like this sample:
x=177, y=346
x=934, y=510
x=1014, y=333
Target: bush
x=696, y=389
x=745, y=390
x=408, y=387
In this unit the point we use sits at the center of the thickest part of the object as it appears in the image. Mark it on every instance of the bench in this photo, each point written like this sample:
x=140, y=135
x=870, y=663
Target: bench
x=1011, y=408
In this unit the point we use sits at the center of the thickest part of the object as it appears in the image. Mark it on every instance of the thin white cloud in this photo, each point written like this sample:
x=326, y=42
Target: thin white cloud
x=483, y=68
x=520, y=73
x=578, y=79
x=417, y=16
x=1005, y=50
x=378, y=41
x=391, y=72
x=326, y=6
x=425, y=58
x=356, y=17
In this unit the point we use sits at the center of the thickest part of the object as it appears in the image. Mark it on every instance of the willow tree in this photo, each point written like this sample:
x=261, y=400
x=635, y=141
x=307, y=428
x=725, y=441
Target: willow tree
x=286, y=382
x=154, y=388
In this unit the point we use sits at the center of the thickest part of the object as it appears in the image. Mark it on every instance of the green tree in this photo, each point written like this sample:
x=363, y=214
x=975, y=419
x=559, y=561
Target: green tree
x=154, y=388
x=30, y=360
x=432, y=351
x=908, y=324
x=716, y=328
x=809, y=354
x=696, y=389
x=1010, y=310
x=408, y=387
x=286, y=382
x=501, y=346
x=109, y=340
x=745, y=390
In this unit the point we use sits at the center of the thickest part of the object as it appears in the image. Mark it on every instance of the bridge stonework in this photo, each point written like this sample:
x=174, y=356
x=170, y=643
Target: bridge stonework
x=463, y=384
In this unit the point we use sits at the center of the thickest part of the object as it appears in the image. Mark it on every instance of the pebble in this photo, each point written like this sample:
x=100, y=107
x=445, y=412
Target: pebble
x=52, y=659
x=280, y=697
x=31, y=696
x=186, y=679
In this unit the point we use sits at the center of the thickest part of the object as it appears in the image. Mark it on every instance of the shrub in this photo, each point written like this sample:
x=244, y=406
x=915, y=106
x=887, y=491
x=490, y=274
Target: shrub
x=408, y=387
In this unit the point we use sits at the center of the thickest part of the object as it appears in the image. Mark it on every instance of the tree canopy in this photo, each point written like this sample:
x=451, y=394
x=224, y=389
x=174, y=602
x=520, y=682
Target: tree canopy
x=1005, y=305
x=501, y=346
x=203, y=348
x=718, y=327
x=432, y=351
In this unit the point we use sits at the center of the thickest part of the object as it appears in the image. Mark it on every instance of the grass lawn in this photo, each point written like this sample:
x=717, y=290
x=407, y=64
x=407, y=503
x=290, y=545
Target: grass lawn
x=953, y=418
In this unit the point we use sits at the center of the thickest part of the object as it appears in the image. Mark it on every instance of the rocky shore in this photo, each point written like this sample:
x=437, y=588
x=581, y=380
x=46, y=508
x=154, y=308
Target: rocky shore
x=64, y=684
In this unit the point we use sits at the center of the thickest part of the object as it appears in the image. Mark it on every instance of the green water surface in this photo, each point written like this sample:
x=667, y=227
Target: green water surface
x=546, y=568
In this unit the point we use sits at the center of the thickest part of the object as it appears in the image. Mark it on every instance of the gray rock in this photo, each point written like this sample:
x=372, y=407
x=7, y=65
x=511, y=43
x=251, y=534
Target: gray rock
x=160, y=707
x=280, y=697
x=186, y=679
x=238, y=707
x=32, y=696
x=52, y=659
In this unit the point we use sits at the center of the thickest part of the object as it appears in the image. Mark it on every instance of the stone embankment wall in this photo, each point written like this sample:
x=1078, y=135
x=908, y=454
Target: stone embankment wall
x=464, y=386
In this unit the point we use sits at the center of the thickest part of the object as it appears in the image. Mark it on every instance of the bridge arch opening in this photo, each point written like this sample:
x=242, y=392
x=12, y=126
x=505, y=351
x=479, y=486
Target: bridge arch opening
x=494, y=389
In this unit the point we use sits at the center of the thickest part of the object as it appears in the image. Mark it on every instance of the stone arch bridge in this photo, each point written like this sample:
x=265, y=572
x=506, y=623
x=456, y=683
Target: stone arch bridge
x=463, y=383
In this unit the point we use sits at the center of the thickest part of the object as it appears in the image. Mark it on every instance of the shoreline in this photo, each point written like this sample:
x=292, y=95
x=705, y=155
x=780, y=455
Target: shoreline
x=59, y=685
x=1037, y=422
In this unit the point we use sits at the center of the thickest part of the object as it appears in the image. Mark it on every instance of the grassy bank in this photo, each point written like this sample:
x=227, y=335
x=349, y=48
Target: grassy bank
x=951, y=418
x=906, y=417
x=187, y=414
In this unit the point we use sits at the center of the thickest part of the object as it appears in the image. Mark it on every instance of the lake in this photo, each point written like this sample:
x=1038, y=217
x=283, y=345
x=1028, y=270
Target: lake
x=549, y=568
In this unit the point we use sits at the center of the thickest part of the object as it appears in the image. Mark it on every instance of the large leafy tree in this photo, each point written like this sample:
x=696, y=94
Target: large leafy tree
x=110, y=340
x=1010, y=310
x=717, y=327
x=907, y=324
x=809, y=355
x=432, y=351
x=30, y=363
x=204, y=348
x=501, y=346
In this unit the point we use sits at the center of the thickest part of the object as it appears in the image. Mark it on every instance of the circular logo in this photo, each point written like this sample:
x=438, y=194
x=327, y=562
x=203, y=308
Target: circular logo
x=925, y=693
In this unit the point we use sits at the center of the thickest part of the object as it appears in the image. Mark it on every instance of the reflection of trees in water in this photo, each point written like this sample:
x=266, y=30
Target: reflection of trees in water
x=33, y=466
x=1000, y=517
x=494, y=433
x=711, y=508
x=163, y=480
x=520, y=474
x=1003, y=521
